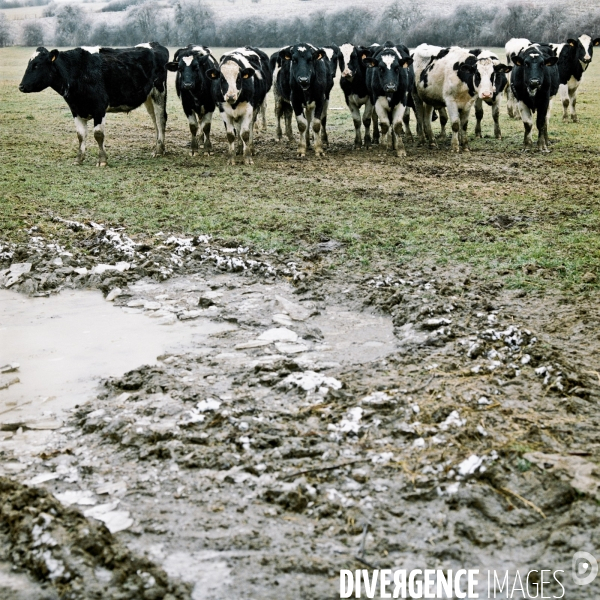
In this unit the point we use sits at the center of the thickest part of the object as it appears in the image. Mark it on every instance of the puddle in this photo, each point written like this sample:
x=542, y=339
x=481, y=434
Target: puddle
x=65, y=343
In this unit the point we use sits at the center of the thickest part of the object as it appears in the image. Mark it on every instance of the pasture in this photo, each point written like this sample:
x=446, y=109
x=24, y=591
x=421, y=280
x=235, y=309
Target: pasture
x=532, y=219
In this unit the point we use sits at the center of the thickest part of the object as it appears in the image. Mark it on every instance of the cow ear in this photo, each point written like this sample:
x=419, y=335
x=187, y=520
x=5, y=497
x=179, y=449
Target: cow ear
x=213, y=74
x=407, y=62
x=466, y=68
x=596, y=42
x=369, y=62
x=285, y=54
x=517, y=60
x=572, y=42
x=53, y=54
x=551, y=61
x=172, y=66
x=319, y=54
x=247, y=73
x=500, y=68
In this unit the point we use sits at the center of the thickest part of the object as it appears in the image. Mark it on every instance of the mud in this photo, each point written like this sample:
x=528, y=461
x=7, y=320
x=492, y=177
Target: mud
x=414, y=417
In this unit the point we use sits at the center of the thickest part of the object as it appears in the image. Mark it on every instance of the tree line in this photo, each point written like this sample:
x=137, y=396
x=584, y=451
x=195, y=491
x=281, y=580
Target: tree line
x=406, y=21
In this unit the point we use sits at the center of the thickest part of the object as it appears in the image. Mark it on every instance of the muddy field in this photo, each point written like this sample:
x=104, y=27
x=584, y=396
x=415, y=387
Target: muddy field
x=399, y=364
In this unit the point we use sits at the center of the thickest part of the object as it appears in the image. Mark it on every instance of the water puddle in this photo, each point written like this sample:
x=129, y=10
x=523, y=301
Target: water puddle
x=65, y=343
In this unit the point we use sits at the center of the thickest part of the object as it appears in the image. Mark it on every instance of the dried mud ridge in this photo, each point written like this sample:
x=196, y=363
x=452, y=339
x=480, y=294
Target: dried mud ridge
x=259, y=465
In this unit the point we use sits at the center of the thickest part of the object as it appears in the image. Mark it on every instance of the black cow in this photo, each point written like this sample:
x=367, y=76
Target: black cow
x=389, y=80
x=353, y=82
x=574, y=57
x=94, y=81
x=283, y=108
x=499, y=81
x=244, y=78
x=534, y=80
x=305, y=81
x=194, y=88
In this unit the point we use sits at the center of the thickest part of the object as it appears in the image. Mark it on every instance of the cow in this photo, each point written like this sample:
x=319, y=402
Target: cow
x=332, y=53
x=500, y=81
x=283, y=108
x=534, y=82
x=389, y=80
x=452, y=78
x=195, y=89
x=574, y=57
x=353, y=81
x=94, y=81
x=305, y=81
x=244, y=78
x=513, y=46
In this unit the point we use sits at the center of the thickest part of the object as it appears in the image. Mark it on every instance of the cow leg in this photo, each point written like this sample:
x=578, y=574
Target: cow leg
x=355, y=112
x=419, y=115
x=205, y=125
x=478, y=116
x=81, y=128
x=263, y=113
x=398, y=114
x=496, y=117
x=193, y=123
x=279, y=112
x=443, y=113
x=231, y=137
x=573, y=102
x=527, y=124
x=319, y=118
x=287, y=115
x=302, y=130
x=542, y=127
x=310, y=111
x=158, y=105
x=456, y=121
x=99, y=137
x=512, y=106
x=367, y=118
x=324, y=138
x=464, y=124
x=427, y=130
x=384, y=123
x=406, y=120
x=375, y=127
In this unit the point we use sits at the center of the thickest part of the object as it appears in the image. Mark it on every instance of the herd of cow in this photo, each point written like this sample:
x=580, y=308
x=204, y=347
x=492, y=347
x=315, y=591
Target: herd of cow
x=386, y=80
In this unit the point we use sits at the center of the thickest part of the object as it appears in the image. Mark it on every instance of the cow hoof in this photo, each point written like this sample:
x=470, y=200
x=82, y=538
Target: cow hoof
x=101, y=164
x=248, y=161
x=192, y=153
x=401, y=154
x=575, y=120
x=466, y=149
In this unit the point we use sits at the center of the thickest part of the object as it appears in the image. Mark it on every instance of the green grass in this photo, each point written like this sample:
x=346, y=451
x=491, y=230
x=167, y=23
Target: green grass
x=431, y=206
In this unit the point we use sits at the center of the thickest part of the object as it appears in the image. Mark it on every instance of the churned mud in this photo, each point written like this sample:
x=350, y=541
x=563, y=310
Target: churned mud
x=414, y=417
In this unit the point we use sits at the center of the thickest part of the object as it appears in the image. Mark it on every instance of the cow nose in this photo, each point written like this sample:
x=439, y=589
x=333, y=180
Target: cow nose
x=390, y=87
x=186, y=86
x=486, y=94
x=302, y=79
x=534, y=83
x=21, y=87
x=347, y=73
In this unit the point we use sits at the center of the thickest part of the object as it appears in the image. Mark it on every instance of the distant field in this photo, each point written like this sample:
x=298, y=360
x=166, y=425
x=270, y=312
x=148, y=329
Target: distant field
x=432, y=205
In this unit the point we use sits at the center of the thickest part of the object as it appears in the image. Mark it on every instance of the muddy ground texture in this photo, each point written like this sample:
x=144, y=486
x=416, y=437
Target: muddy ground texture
x=414, y=417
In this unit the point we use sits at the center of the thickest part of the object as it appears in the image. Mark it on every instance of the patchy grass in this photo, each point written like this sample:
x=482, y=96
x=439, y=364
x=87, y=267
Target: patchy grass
x=534, y=219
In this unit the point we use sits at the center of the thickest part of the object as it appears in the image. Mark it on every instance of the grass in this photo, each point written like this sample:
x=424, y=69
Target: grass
x=431, y=206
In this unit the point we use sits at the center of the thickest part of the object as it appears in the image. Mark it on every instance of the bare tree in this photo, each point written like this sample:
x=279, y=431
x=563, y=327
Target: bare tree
x=33, y=34
x=72, y=26
x=143, y=19
x=194, y=22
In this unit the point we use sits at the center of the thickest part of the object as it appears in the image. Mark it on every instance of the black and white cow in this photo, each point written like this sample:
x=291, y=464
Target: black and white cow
x=283, y=108
x=353, y=82
x=305, y=81
x=534, y=82
x=452, y=78
x=332, y=53
x=574, y=57
x=244, y=78
x=195, y=89
x=513, y=46
x=500, y=81
x=94, y=81
x=389, y=80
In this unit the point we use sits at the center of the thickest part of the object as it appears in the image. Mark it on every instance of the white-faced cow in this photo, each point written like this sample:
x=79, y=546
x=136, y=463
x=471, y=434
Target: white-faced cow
x=452, y=78
x=534, y=82
x=574, y=57
x=389, y=80
x=244, y=78
x=353, y=82
x=500, y=81
x=194, y=88
x=94, y=81
x=304, y=81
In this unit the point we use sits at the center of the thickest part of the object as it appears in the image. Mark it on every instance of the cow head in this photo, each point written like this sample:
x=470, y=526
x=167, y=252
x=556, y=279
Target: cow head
x=480, y=75
x=234, y=71
x=390, y=65
x=534, y=64
x=348, y=60
x=189, y=66
x=584, y=49
x=303, y=59
x=40, y=71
